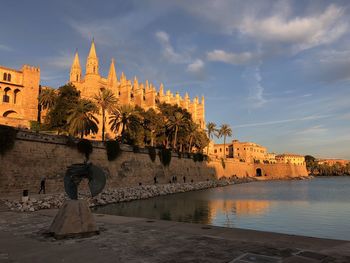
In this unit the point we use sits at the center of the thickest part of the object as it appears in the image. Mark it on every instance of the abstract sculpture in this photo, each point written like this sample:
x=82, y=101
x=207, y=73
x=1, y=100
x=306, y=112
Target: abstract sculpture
x=74, y=217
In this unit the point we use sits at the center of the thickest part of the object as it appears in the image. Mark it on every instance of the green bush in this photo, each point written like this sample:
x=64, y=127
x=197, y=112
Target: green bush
x=198, y=157
x=165, y=156
x=7, y=138
x=136, y=149
x=84, y=146
x=35, y=126
x=113, y=149
x=152, y=153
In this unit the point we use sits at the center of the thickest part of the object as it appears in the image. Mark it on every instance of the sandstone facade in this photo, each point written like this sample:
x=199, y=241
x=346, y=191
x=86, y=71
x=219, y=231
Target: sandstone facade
x=37, y=155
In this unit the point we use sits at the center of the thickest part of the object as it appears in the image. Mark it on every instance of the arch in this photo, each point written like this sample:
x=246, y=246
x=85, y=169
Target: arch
x=4, y=77
x=10, y=114
x=6, y=96
x=258, y=172
x=8, y=77
x=16, y=96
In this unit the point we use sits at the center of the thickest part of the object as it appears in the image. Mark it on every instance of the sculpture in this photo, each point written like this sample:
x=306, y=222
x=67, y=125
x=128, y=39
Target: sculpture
x=74, y=217
x=77, y=172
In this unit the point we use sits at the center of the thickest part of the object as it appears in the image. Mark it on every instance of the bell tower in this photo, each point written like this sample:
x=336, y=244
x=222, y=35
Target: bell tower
x=92, y=61
x=75, y=71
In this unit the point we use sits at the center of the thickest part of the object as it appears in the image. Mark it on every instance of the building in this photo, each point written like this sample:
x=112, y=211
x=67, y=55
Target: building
x=332, y=162
x=19, y=91
x=290, y=158
x=249, y=151
x=130, y=92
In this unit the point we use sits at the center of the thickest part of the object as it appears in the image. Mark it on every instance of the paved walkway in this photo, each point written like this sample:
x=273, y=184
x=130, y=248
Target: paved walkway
x=125, y=239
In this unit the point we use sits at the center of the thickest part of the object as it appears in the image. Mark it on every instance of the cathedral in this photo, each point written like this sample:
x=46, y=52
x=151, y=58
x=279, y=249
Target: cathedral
x=19, y=91
x=130, y=92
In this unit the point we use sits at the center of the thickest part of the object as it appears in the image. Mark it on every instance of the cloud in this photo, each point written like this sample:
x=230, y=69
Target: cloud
x=231, y=58
x=5, y=48
x=301, y=32
x=168, y=50
x=196, y=66
x=313, y=131
x=62, y=61
x=256, y=90
x=267, y=123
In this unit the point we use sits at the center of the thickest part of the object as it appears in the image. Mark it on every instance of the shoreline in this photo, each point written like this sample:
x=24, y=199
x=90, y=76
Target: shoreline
x=128, y=194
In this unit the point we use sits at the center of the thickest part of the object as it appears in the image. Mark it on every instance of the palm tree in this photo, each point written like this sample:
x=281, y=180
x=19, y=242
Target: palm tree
x=191, y=129
x=174, y=123
x=225, y=130
x=81, y=119
x=107, y=101
x=47, y=98
x=211, y=130
x=123, y=116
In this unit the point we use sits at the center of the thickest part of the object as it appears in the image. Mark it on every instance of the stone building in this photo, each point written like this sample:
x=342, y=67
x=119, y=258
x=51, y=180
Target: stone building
x=290, y=158
x=130, y=92
x=19, y=90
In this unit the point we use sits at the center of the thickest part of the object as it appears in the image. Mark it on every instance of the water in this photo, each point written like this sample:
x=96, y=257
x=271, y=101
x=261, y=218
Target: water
x=319, y=207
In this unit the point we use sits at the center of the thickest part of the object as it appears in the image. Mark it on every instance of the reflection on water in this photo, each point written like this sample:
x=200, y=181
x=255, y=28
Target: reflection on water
x=318, y=207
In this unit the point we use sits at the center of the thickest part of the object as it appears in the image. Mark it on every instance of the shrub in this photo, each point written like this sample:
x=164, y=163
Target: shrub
x=223, y=163
x=135, y=148
x=113, y=149
x=152, y=153
x=7, y=138
x=198, y=157
x=84, y=146
x=70, y=142
x=35, y=126
x=165, y=156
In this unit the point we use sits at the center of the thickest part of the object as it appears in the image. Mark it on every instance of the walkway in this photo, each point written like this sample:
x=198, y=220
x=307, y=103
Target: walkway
x=124, y=239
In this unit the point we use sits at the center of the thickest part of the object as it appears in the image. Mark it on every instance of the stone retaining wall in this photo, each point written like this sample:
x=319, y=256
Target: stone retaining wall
x=37, y=155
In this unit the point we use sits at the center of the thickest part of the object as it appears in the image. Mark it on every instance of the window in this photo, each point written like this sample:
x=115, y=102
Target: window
x=5, y=76
x=215, y=151
x=16, y=95
x=220, y=150
x=9, y=77
x=6, y=97
x=77, y=78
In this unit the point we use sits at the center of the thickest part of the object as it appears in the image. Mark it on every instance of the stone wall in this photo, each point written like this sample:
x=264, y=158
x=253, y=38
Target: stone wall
x=37, y=155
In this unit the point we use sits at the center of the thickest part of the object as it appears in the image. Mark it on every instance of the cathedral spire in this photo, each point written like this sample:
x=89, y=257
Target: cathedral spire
x=75, y=71
x=112, y=76
x=92, y=60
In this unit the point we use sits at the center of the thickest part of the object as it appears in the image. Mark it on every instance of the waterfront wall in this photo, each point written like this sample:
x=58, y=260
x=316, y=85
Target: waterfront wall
x=37, y=155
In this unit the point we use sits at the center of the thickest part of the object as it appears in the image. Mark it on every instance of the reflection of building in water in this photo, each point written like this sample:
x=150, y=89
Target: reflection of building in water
x=238, y=207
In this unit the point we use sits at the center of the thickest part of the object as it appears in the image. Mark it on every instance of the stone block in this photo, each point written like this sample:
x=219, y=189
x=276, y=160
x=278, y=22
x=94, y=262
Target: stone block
x=74, y=219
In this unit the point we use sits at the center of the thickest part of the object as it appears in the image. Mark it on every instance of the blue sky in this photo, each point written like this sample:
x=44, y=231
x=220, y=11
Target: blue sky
x=277, y=71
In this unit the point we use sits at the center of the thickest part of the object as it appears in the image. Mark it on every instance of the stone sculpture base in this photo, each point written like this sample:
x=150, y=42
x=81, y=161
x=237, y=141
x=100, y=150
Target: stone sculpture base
x=74, y=219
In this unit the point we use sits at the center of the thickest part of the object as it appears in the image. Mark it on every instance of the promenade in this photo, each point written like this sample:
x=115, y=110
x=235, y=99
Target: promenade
x=23, y=238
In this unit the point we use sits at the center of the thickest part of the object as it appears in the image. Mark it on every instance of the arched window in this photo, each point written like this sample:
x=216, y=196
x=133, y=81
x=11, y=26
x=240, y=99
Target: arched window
x=9, y=77
x=16, y=96
x=77, y=78
x=5, y=76
x=6, y=97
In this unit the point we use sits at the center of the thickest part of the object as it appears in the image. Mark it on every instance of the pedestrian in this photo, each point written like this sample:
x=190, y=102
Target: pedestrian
x=42, y=185
x=184, y=179
x=155, y=179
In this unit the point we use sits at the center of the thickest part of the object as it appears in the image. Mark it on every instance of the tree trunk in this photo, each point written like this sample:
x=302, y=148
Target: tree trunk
x=103, y=124
x=176, y=130
x=224, y=147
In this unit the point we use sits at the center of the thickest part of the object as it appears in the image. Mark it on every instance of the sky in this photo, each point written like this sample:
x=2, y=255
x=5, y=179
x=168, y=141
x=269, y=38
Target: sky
x=278, y=72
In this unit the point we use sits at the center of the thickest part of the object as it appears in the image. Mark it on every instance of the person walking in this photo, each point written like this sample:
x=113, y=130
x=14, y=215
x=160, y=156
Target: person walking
x=42, y=185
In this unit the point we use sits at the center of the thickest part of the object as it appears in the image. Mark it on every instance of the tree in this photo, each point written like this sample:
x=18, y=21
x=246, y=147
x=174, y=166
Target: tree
x=311, y=163
x=211, y=130
x=174, y=123
x=225, y=130
x=67, y=97
x=107, y=102
x=123, y=116
x=81, y=119
x=47, y=98
x=152, y=123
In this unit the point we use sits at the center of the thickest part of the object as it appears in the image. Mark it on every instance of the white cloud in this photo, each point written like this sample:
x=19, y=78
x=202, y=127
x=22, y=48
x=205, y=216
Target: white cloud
x=168, y=50
x=313, y=131
x=231, y=58
x=256, y=97
x=267, y=123
x=196, y=66
x=62, y=61
x=301, y=32
x=5, y=48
